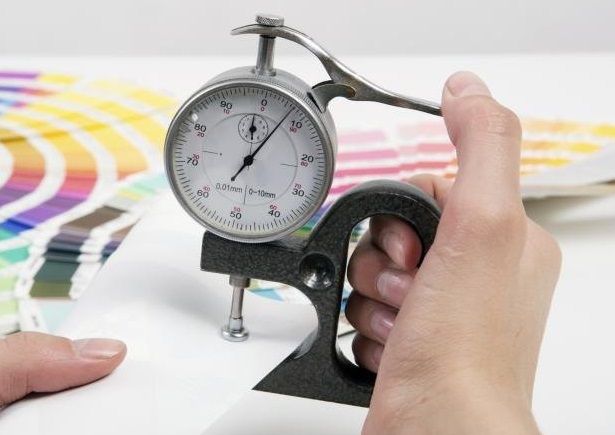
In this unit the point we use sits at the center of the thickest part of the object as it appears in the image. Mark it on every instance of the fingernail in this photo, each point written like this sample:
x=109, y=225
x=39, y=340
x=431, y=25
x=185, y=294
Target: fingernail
x=393, y=247
x=98, y=348
x=382, y=323
x=465, y=83
x=392, y=286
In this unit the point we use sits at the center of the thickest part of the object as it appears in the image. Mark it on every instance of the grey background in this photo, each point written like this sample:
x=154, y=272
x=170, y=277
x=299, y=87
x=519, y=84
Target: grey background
x=200, y=27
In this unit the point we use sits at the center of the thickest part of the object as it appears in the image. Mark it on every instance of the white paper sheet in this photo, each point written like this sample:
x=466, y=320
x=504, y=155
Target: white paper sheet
x=179, y=375
x=259, y=413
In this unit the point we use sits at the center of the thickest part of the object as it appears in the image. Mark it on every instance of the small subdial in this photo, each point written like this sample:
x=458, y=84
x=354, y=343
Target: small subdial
x=253, y=128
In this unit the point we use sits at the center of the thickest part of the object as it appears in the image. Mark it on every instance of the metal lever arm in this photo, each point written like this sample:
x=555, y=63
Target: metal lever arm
x=344, y=82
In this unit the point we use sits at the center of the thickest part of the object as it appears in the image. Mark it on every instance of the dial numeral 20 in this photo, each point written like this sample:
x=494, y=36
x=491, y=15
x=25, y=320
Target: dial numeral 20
x=306, y=159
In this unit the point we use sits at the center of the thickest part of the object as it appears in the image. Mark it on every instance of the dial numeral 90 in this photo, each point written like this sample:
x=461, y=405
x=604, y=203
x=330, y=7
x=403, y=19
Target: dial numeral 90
x=226, y=106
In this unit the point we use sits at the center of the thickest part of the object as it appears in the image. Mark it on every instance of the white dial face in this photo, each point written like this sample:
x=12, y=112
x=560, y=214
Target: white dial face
x=248, y=162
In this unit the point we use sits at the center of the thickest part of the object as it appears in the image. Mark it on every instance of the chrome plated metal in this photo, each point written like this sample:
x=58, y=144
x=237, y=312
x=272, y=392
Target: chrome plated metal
x=293, y=88
x=234, y=329
x=264, y=57
x=269, y=20
x=266, y=44
x=344, y=82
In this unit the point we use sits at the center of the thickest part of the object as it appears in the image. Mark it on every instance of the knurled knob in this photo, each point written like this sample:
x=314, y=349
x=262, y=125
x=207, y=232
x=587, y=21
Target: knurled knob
x=270, y=20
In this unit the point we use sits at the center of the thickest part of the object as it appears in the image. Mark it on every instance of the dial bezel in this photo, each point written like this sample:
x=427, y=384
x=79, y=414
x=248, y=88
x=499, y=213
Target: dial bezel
x=310, y=110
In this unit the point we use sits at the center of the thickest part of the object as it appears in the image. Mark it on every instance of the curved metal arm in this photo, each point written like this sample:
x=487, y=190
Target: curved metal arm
x=344, y=82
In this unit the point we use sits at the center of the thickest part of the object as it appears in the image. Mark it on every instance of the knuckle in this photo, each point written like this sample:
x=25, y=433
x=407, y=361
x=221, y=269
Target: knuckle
x=486, y=219
x=19, y=342
x=351, y=307
x=362, y=263
x=356, y=263
x=483, y=115
x=548, y=248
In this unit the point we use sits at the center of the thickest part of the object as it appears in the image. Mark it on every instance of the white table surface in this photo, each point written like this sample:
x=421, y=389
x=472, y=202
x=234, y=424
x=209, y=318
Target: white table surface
x=575, y=386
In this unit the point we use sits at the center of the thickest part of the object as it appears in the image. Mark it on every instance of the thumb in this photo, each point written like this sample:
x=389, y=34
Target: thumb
x=483, y=217
x=35, y=362
x=487, y=137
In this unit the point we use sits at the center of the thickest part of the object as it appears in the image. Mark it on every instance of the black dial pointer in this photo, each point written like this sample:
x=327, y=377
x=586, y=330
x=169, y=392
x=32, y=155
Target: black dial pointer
x=249, y=159
x=252, y=128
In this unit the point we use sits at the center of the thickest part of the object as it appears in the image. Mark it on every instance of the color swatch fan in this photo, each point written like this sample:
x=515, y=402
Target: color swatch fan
x=79, y=159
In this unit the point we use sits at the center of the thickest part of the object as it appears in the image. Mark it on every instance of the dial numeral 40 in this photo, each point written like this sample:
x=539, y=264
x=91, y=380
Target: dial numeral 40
x=273, y=211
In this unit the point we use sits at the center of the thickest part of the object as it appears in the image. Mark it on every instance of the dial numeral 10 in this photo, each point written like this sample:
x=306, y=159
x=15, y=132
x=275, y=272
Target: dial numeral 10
x=295, y=126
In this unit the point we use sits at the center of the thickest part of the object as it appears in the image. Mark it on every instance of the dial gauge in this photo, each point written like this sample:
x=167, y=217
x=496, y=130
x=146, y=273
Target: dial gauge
x=248, y=161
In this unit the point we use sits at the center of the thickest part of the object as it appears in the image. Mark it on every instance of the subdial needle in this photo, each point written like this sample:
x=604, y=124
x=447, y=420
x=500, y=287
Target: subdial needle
x=249, y=159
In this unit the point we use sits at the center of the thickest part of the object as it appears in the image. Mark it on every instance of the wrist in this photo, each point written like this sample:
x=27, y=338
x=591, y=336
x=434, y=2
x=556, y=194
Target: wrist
x=455, y=405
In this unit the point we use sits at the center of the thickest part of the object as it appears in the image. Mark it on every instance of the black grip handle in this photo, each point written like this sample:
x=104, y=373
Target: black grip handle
x=317, y=267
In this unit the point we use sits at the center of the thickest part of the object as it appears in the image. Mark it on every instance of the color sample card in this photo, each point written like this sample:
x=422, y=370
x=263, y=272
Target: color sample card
x=80, y=162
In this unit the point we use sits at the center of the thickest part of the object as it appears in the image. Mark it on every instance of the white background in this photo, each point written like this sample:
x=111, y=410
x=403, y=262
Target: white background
x=576, y=379
x=190, y=27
